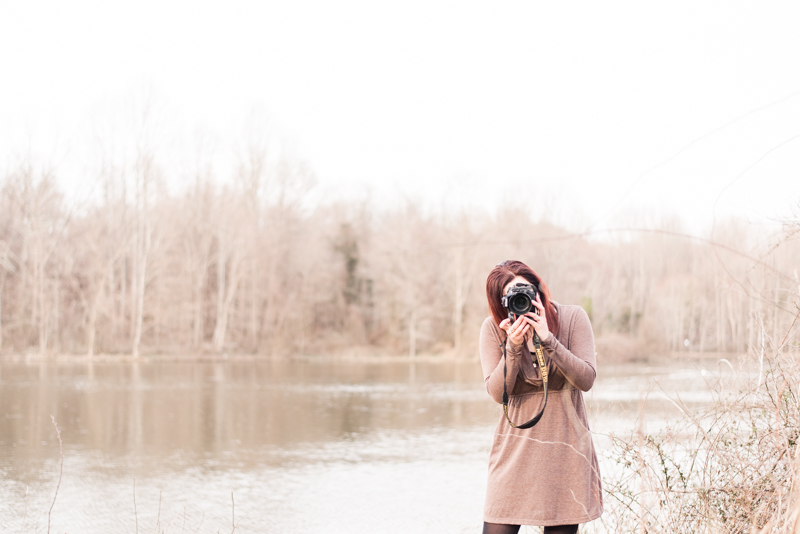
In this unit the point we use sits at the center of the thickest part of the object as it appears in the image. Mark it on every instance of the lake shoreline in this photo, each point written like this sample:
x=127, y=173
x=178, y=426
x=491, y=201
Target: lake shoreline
x=356, y=358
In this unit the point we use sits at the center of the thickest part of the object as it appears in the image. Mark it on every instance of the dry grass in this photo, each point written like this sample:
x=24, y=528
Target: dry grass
x=731, y=467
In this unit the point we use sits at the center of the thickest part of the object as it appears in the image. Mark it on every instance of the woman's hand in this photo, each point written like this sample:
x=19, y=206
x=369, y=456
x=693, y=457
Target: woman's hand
x=540, y=320
x=523, y=328
x=519, y=332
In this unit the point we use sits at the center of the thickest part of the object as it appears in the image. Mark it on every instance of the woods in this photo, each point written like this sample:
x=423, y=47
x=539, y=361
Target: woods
x=246, y=261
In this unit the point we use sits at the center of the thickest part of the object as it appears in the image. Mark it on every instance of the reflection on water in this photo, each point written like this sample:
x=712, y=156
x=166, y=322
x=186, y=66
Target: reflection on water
x=306, y=446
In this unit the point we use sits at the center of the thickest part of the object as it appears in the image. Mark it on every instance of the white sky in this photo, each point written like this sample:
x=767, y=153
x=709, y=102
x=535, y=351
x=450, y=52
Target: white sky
x=566, y=106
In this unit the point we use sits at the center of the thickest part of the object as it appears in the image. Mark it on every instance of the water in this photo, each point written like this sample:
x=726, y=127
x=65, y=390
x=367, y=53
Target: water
x=303, y=445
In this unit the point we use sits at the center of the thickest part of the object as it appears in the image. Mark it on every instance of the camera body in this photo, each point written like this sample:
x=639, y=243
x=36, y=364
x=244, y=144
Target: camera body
x=519, y=300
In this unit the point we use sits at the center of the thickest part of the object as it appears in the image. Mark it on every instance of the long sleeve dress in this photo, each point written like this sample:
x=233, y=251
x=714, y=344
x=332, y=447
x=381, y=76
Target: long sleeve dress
x=546, y=475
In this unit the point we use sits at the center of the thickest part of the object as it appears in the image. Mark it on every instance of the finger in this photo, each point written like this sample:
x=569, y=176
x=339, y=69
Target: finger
x=518, y=333
x=504, y=324
x=528, y=335
x=538, y=304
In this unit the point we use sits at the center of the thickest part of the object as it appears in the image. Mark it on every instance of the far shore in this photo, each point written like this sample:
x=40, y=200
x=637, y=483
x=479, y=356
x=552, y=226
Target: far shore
x=360, y=358
x=227, y=357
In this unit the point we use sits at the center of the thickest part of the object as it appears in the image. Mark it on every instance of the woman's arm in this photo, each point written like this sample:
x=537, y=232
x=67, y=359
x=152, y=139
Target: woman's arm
x=492, y=361
x=579, y=364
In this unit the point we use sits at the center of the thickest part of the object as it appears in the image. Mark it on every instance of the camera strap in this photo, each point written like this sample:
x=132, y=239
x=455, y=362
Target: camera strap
x=537, y=344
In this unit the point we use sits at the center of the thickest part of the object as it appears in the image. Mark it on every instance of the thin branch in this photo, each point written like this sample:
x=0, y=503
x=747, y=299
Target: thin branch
x=135, y=515
x=25, y=514
x=788, y=331
x=233, y=513
x=158, y=518
x=201, y=523
x=60, y=472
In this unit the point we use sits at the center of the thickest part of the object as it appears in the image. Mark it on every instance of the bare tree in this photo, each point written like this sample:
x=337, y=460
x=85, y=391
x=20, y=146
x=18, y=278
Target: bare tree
x=254, y=265
x=40, y=223
x=229, y=245
x=6, y=266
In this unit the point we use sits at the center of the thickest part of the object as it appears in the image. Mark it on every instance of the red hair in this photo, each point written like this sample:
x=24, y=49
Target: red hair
x=499, y=278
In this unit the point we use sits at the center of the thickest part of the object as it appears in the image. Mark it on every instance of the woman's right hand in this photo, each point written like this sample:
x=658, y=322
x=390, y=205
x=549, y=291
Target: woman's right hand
x=518, y=331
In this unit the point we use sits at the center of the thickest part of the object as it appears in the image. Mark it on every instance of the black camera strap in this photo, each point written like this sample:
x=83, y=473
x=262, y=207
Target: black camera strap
x=537, y=344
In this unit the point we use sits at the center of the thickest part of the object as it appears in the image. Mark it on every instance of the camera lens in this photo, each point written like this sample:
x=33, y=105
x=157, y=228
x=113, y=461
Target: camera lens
x=520, y=304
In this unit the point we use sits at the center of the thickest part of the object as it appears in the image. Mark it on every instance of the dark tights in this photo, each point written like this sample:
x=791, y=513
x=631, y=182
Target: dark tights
x=496, y=528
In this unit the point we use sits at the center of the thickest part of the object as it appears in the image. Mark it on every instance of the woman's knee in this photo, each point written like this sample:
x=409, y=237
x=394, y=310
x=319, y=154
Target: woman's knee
x=497, y=528
x=561, y=529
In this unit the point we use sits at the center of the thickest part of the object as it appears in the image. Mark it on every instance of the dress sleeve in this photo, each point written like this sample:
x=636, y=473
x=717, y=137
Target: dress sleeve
x=492, y=361
x=579, y=364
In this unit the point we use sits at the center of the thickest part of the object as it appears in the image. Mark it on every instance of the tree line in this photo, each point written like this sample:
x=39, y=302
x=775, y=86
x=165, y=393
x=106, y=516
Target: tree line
x=248, y=263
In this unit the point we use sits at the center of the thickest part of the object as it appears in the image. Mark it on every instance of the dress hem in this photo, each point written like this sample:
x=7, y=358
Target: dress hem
x=540, y=522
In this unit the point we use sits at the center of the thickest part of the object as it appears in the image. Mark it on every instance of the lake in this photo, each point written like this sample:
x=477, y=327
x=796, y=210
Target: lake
x=281, y=445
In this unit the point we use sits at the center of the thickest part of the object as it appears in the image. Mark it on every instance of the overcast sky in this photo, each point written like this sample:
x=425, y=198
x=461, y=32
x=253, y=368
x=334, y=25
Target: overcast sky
x=590, y=112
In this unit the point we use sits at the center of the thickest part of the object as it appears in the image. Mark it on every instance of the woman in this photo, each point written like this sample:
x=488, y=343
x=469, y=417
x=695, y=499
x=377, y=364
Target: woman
x=546, y=475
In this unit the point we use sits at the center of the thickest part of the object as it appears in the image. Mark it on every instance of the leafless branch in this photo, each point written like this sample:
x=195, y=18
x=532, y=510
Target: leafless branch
x=60, y=471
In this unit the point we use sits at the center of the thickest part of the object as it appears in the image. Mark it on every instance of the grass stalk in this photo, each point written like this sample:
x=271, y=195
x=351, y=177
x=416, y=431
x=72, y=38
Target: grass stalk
x=60, y=471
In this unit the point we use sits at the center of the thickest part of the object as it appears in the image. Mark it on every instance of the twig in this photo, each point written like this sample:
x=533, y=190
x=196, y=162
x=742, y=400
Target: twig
x=201, y=523
x=169, y=525
x=585, y=511
x=25, y=514
x=788, y=331
x=60, y=472
x=36, y=525
x=158, y=518
x=233, y=513
x=725, y=360
x=135, y=515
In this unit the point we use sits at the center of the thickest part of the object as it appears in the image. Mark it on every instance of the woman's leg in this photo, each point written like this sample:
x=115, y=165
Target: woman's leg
x=497, y=528
x=561, y=529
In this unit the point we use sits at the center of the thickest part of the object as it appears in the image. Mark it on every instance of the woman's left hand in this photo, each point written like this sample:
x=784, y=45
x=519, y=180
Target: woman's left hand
x=540, y=320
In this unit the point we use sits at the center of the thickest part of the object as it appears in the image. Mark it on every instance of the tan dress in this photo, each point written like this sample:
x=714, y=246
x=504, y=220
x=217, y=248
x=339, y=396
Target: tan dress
x=546, y=475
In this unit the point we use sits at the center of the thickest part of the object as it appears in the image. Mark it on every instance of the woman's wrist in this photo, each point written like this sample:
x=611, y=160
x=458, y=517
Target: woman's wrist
x=547, y=338
x=513, y=348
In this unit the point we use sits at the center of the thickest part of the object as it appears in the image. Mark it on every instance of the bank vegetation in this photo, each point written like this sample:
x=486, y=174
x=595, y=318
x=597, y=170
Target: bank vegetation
x=245, y=261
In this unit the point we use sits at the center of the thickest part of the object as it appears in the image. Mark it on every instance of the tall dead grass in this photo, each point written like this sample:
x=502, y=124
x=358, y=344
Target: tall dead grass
x=732, y=467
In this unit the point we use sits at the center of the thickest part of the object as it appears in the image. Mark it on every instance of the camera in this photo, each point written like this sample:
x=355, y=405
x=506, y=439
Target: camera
x=519, y=300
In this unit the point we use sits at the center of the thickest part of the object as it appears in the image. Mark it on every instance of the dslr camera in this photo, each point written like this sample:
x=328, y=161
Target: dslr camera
x=519, y=300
